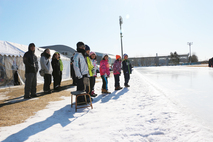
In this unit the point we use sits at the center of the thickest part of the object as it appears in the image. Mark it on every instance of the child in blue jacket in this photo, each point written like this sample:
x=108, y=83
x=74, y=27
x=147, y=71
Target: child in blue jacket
x=127, y=70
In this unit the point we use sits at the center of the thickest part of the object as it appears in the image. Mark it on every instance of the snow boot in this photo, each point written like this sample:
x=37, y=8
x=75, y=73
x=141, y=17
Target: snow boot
x=120, y=87
x=117, y=88
x=105, y=91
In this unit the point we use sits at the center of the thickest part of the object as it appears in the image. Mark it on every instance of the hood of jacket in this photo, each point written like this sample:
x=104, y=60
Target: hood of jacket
x=45, y=55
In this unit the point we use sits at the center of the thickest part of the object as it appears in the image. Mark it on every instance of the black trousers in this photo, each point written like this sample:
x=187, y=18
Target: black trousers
x=47, y=82
x=126, y=78
x=117, y=80
x=80, y=84
x=74, y=78
x=30, y=84
x=92, y=83
x=60, y=78
x=56, y=79
x=105, y=82
x=15, y=76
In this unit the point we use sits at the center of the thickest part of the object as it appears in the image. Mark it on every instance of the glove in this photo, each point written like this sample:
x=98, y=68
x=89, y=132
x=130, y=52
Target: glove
x=79, y=77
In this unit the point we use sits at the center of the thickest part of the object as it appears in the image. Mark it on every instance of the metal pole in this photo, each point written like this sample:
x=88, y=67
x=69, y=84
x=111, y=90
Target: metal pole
x=190, y=43
x=121, y=22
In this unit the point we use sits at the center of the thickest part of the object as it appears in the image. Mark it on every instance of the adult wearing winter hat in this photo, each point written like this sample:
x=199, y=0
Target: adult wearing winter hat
x=31, y=69
x=80, y=65
x=127, y=70
x=117, y=72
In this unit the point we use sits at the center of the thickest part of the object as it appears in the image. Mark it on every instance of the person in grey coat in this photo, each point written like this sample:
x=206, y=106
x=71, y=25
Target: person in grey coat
x=31, y=69
x=46, y=65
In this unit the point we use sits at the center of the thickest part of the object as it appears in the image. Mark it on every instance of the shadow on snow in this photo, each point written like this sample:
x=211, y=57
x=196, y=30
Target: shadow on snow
x=60, y=116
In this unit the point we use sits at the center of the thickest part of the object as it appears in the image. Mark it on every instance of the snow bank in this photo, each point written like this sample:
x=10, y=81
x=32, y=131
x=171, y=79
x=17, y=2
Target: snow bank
x=139, y=113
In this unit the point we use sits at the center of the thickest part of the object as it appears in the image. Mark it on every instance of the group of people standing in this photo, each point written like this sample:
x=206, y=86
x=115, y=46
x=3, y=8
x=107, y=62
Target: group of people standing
x=51, y=68
x=85, y=66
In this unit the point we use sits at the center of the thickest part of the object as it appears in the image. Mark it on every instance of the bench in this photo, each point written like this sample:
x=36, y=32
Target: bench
x=77, y=94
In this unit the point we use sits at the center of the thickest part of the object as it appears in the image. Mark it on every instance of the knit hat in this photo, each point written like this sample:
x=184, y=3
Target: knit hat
x=87, y=47
x=92, y=53
x=125, y=55
x=117, y=57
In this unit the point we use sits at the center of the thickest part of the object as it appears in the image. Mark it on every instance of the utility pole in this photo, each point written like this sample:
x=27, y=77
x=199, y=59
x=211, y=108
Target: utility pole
x=121, y=22
x=190, y=57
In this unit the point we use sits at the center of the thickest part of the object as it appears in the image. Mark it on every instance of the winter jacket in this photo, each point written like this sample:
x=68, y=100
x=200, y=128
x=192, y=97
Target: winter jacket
x=104, y=68
x=61, y=65
x=94, y=62
x=117, y=67
x=127, y=67
x=30, y=61
x=56, y=67
x=90, y=66
x=46, y=64
x=80, y=65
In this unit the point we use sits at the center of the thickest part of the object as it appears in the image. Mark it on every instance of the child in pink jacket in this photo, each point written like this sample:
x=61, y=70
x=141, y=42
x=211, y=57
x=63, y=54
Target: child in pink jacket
x=105, y=73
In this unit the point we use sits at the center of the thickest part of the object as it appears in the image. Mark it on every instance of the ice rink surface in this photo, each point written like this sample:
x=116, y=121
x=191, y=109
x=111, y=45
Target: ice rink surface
x=191, y=87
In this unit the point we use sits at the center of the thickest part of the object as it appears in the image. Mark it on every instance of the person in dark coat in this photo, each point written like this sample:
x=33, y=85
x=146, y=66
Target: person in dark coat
x=127, y=70
x=61, y=68
x=31, y=69
x=56, y=71
x=74, y=78
x=211, y=62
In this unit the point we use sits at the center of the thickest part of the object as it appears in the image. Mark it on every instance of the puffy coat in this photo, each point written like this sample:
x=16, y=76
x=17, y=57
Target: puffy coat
x=46, y=64
x=104, y=68
x=80, y=65
x=117, y=67
x=90, y=66
x=30, y=61
x=127, y=67
x=56, y=67
x=94, y=62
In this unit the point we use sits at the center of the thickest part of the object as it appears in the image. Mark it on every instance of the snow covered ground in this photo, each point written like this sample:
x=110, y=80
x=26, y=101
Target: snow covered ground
x=143, y=112
x=187, y=86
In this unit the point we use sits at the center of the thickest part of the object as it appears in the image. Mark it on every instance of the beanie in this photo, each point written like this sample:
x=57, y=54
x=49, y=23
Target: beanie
x=125, y=55
x=92, y=53
x=118, y=56
x=87, y=47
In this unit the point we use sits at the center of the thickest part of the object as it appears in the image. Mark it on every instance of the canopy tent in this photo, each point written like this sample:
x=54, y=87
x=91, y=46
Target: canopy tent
x=8, y=49
x=11, y=61
x=11, y=64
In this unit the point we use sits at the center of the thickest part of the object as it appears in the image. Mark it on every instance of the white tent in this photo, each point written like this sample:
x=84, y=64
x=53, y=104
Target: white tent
x=11, y=59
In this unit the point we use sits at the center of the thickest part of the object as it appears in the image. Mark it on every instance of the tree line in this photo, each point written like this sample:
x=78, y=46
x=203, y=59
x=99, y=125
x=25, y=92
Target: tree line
x=175, y=59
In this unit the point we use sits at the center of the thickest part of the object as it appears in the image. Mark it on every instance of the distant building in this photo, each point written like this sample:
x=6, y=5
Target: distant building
x=68, y=52
x=63, y=49
x=157, y=60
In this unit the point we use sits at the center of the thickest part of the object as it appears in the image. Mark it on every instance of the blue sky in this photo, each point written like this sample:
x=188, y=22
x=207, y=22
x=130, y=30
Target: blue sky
x=149, y=26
